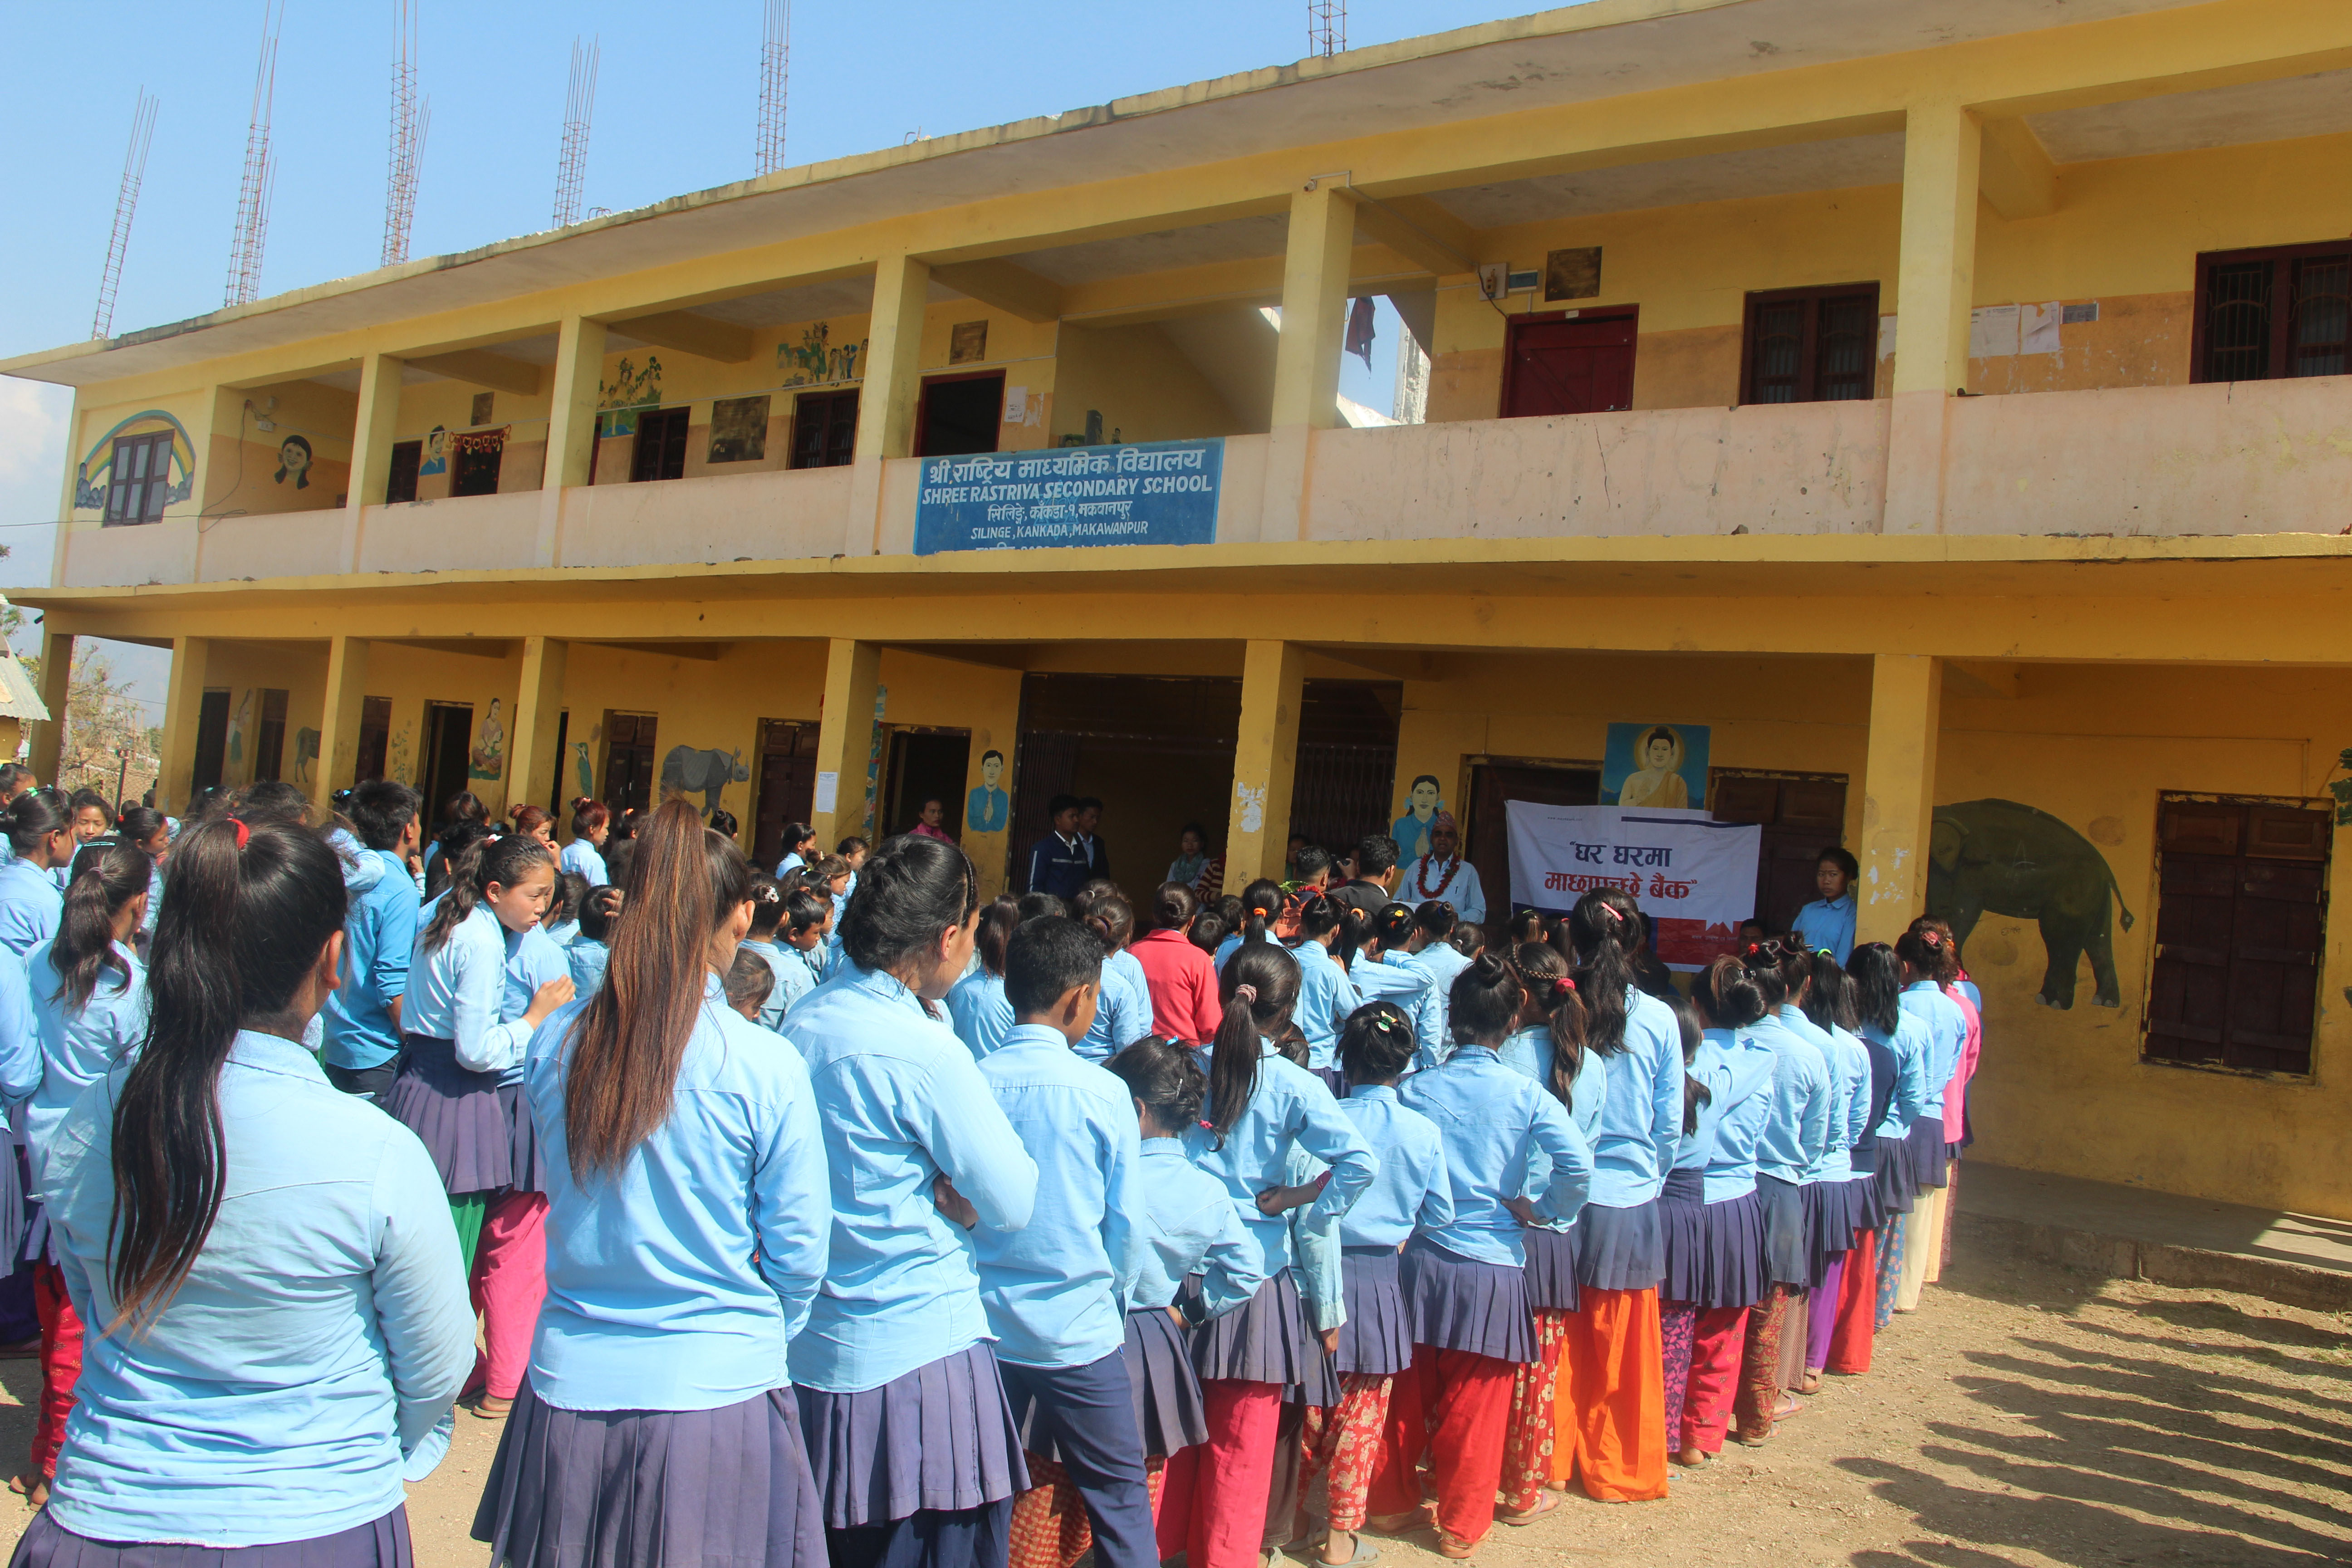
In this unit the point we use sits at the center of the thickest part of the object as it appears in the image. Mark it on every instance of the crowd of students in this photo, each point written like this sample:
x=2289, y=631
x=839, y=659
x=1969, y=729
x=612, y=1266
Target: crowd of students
x=839, y=1214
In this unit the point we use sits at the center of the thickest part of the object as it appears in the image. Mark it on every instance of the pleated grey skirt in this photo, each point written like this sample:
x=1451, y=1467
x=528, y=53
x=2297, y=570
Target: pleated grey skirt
x=457, y=1113
x=939, y=1438
x=1829, y=1223
x=1930, y=1154
x=1620, y=1249
x=1869, y=1208
x=1788, y=1241
x=618, y=1489
x=1460, y=1304
x=1715, y=1252
x=1377, y=1338
x=1265, y=1340
x=11, y=1210
x=525, y=1173
x=1168, y=1404
x=1551, y=1268
x=379, y=1543
x=1897, y=1187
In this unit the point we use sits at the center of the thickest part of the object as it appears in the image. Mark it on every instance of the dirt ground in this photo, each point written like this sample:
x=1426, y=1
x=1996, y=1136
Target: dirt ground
x=2025, y=1415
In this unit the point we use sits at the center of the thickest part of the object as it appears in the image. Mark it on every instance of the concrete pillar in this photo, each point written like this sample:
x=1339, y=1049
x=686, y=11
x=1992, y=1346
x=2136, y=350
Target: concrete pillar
x=571, y=426
x=339, y=717
x=184, y=705
x=888, y=401
x=1307, y=355
x=370, y=449
x=844, y=738
x=994, y=717
x=1906, y=701
x=57, y=679
x=1266, y=760
x=1942, y=143
x=531, y=762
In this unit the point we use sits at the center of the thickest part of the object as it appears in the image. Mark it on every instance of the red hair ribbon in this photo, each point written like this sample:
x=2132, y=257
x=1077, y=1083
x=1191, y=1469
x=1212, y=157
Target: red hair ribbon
x=1931, y=938
x=1563, y=986
x=243, y=832
x=1260, y=910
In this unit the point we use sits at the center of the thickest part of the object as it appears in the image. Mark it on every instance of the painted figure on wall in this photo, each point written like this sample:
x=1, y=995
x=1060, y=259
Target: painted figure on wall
x=2001, y=857
x=397, y=755
x=437, y=453
x=95, y=473
x=488, y=756
x=1661, y=766
x=583, y=770
x=294, y=457
x=686, y=769
x=237, y=727
x=306, y=752
x=988, y=807
x=631, y=389
x=1410, y=831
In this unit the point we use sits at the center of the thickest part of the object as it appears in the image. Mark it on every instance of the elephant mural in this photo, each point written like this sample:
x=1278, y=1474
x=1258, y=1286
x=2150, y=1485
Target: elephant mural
x=2000, y=856
x=704, y=768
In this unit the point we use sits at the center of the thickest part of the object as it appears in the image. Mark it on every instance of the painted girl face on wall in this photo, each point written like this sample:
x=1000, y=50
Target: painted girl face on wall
x=1425, y=796
x=294, y=461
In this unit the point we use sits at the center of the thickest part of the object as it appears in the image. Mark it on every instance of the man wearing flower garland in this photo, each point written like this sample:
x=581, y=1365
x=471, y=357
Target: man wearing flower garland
x=1443, y=873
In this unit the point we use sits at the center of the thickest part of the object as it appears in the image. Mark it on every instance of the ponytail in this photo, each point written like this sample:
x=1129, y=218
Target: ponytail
x=33, y=817
x=1109, y=918
x=1435, y=917
x=1878, y=975
x=1727, y=993
x=1695, y=1094
x=1927, y=947
x=998, y=920
x=251, y=911
x=1485, y=1001
x=503, y=862
x=1604, y=930
x=1354, y=925
x=84, y=946
x=1162, y=1074
x=1261, y=901
x=1259, y=987
x=1550, y=987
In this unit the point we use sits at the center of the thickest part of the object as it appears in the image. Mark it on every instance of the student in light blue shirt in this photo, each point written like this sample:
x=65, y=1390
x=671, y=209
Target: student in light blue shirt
x=1056, y=1289
x=1187, y=1219
x=1796, y=1127
x=1123, y=1014
x=148, y=831
x=363, y=1017
x=686, y=1239
x=768, y=910
x=1326, y=995
x=1640, y=1129
x=1828, y=920
x=1736, y=1066
x=1432, y=949
x=88, y=993
x=321, y=1318
x=976, y=1009
x=920, y=1155
x=592, y=824
x=1381, y=973
x=1879, y=980
x=41, y=833
x=592, y=951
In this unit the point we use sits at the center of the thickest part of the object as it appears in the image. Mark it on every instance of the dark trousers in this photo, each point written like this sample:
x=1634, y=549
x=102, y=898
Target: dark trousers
x=930, y=1538
x=1087, y=1413
x=367, y=1083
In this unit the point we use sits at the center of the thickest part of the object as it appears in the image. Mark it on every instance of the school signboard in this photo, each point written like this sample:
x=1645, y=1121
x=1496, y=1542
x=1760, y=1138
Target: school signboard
x=1151, y=492
x=1693, y=875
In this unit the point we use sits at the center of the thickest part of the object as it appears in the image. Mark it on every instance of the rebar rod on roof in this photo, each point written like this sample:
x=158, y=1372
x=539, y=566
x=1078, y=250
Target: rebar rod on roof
x=126, y=203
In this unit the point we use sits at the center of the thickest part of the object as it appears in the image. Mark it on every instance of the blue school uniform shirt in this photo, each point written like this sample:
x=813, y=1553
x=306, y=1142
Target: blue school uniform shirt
x=1225, y=950
x=1496, y=1125
x=1796, y=1127
x=1829, y=924
x=1190, y=1226
x=676, y=1283
x=1849, y=1061
x=1326, y=997
x=379, y=940
x=792, y=980
x=20, y=1047
x=1443, y=963
x=312, y=1348
x=1319, y=1267
x=798, y=972
x=457, y=992
x=1737, y=1066
x=1411, y=1190
x=1911, y=1047
x=154, y=895
x=1947, y=1036
x=31, y=904
x=1406, y=985
x=1122, y=1009
x=978, y=1012
x=1528, y=1054
x=901, y=1101
x=587, y=959
x=77, y=1046
x=1642, y=1117
x=533, y=960
x=1057, y=1288
x=1290, y=1107
x=581, y=857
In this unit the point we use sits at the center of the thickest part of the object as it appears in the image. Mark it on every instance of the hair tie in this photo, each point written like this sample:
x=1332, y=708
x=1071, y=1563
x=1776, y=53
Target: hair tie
x=1563, y=986
x=1613, y=915
x=1246, y=994
x=1931, y=938
x=1823, y=952
x=243, y=832
x=1260, y=910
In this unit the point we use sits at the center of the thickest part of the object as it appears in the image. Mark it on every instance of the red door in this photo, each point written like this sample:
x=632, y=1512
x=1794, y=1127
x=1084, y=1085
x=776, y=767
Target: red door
x=1556, y=364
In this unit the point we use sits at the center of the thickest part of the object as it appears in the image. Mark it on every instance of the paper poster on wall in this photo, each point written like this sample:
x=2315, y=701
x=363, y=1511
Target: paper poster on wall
x=1694, y=877
x=1655, y=764
x=828, y=792
x=1152, y=492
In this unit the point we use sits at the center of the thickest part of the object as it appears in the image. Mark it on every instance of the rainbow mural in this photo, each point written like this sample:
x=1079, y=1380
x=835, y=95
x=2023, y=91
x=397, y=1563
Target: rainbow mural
x=96, y=470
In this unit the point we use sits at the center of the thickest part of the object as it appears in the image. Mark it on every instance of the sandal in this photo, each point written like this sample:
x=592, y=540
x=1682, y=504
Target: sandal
x=490, y=1407
x=1790, y=1406
x=1362, y=1551
x=1689, y=1459
x=1453, y=1546
x=1813, y=1383
x=1422, y=1518
x=1546, y=1502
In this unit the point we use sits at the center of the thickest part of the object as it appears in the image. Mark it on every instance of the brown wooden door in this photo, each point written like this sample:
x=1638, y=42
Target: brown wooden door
x=1801, y=815
x=629, y=761
x=786, y=790
x=1492, y=786
x=661, y=444
x=1567, y=365
x=2241, y=918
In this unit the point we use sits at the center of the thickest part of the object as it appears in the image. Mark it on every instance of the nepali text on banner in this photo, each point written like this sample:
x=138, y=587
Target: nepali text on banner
x=1153, y=492
x=1694, y=876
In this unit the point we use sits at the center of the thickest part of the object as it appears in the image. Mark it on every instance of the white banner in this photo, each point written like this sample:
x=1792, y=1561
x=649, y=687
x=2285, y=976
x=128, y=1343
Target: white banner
x=1694, y=876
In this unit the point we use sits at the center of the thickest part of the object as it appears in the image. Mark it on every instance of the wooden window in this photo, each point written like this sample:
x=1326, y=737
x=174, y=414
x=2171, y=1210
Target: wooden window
x=375, y=738
x=661, y=444
x=1801, y=814
x=270, y=737
x=2241, y=918
x=1812, y=345
x=400, y=479
x=824, y=430
x=2264, y=315
x=141, y=478
x=629, y=760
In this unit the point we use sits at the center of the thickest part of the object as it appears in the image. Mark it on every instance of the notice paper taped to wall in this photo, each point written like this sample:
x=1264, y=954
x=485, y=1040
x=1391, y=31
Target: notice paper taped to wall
x=1693, y=875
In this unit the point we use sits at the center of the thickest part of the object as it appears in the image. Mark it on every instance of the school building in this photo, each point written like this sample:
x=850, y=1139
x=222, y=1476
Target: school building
x=1943, y=406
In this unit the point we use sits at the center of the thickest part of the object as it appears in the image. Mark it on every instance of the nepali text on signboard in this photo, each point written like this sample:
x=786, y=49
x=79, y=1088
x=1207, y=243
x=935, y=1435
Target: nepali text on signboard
x=1154, y=492
x=1693, y=875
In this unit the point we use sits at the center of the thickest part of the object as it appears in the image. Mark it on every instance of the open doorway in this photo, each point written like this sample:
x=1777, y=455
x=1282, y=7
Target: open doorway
x=959, y=414
x=211, y=739
x=1494, y=784
x=448, y=731
x=925, y=764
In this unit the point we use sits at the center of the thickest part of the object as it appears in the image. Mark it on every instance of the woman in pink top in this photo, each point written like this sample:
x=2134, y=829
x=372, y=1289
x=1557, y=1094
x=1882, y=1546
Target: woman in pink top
x=1182, y=980
x=927, y=823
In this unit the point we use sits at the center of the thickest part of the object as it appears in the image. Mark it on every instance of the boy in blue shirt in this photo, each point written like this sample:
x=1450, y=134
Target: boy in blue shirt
x=1828, y=920
x=362, y=1015
x=1056, y=1289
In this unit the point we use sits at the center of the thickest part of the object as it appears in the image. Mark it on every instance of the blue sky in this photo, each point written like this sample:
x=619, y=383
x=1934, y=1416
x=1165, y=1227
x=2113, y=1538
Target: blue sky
x=677, y=107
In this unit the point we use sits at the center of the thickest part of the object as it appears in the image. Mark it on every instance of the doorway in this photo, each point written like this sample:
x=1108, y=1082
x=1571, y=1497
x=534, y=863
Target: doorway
x=959, y=413
x=448, y=731
x=784, y=788
x=1568, y=364
x=925, y=764
x=1494, y=784
x=212, y=740
x=661, y=444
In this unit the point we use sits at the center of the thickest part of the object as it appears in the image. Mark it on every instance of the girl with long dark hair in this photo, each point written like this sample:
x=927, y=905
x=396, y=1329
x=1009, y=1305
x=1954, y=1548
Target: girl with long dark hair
x=915, y=1453
x=147, y=830
x=592, y=824
x=277, y=1312
x=976, y=1009
x=41, y=841
x=1429, y=949
x=1465, y=1283
x=686, y=1177
x=1853, y=1312
x=1260, y=1106
x=1835, y=1204
x=1326, y=995
x=1929, y=963
x=1123, y=1014
x=464, y=820
x=1613, y=1439
x=1381, y=972
x=1879, y=975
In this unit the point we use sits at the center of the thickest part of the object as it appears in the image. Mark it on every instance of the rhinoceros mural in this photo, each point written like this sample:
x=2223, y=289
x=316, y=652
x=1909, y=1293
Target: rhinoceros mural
x=686, y=769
